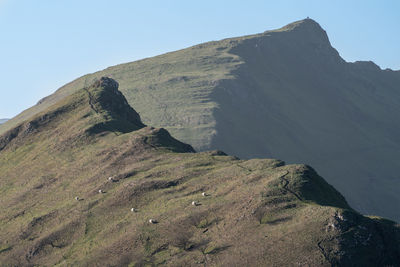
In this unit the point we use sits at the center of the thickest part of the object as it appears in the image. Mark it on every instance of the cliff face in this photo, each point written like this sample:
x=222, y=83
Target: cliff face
x=284, y=94
x=86, y=183
x=296, y=99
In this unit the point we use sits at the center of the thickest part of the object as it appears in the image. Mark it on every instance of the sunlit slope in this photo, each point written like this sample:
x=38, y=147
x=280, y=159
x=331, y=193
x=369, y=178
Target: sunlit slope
x=60, y=208
x=171, y=90
x=284, y=94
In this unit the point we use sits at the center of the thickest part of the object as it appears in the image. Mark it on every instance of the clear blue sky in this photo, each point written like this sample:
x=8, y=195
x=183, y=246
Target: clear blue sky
x=47, y=43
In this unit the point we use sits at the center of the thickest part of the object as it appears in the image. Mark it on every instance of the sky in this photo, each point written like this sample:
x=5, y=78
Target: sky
x=45, y=44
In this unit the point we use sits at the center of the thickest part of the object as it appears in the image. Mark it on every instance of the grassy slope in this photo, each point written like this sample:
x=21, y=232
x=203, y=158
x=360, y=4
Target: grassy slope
x=171, y=90
x=284, y=94
x=257, y=212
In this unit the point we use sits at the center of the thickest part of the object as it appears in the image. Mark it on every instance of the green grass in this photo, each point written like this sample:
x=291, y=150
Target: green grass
x=284, y=94
x=255, y=210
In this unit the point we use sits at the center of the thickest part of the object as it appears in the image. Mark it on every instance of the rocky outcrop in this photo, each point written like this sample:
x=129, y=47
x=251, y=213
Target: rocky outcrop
x=285, y=94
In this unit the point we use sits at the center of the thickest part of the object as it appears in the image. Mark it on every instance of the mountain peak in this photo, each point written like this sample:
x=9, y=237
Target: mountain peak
x=307, y=29
x=106, y=100
x=98, y=109
x=303, y=24
x=106, y=83
x=93, y=111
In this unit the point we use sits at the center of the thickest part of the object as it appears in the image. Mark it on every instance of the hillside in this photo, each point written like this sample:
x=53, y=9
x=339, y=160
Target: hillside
x=254, y=212
x=284, y=94
x=3, y=120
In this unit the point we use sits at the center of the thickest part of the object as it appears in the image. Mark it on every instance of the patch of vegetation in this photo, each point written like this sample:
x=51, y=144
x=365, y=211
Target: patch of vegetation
x=56, y=191
x=268, y=94
x=214, y=249
x=5, y=248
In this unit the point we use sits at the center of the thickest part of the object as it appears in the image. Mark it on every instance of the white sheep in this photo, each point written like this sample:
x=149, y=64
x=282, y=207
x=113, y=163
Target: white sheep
x=76, y=198
x=194, y=203
x=101, y=191
x=133, y=210
x=110, y=178
x=152, y=221
x=204, y=194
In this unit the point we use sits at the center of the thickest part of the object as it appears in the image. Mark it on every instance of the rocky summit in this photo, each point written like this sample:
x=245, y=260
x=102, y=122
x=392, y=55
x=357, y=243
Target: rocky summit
x=85, y=183
x=284, y=94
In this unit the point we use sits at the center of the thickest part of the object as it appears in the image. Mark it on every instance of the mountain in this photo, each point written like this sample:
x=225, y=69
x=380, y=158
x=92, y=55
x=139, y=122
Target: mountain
x=60, y=208
x=284, y=94
x=3, y=120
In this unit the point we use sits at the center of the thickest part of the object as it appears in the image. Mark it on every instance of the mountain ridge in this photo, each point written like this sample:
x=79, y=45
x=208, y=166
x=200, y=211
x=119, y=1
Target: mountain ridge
x=95, y=200
x=109, y=113
x=63, y=93
x=285, y=94
x=288, y=27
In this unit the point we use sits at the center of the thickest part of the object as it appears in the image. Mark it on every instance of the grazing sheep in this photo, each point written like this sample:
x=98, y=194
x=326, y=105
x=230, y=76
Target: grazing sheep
x=194, y=203
x=204, y=194
x=76, y=198
x=101, y=191
x=110, y=179
x=133, y=210
x=153, y=221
